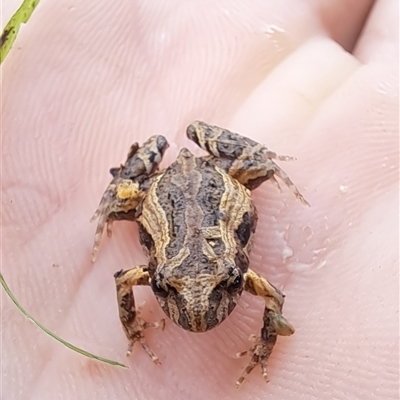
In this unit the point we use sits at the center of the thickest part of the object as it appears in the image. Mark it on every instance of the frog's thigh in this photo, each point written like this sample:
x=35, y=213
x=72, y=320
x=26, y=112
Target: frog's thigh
x=220, y=142
x=274, y=299
x=240, y=157
x=246, y=160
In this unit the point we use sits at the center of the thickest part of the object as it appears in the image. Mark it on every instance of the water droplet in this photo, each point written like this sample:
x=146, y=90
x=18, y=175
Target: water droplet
x=287, y=252
x=271, y=29
x=318, y=251
x=299, y=267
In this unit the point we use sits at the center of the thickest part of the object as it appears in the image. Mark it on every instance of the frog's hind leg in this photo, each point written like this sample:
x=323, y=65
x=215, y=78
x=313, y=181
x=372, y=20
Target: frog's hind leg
x=247, y=161
x=129, y=184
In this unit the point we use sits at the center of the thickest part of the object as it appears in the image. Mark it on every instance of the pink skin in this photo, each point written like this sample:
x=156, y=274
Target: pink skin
x=84, y=81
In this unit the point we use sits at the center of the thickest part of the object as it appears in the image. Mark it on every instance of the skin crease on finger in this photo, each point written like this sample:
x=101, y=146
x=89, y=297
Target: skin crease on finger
x=81, y=85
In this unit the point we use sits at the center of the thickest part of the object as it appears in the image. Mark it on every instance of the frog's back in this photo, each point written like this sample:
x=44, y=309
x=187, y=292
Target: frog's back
x=192, y=213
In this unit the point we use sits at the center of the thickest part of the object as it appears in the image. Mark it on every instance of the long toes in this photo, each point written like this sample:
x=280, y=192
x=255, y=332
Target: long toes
x=264, y=371
x=246, y=372
x=240, y=354
x=149, y=352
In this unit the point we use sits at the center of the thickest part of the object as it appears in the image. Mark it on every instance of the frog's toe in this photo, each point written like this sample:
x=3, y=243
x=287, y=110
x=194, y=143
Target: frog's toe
x=135, y=332
x=260, y=353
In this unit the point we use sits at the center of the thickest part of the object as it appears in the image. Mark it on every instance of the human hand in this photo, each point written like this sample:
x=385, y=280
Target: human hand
x=85, y=81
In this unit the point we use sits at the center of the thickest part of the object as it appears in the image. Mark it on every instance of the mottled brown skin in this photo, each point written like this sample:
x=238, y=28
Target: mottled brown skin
x=196, y=221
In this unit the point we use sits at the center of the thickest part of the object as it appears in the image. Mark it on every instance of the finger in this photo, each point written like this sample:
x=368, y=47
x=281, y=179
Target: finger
x=379, y=41
x=75, y=114
x=343, y=20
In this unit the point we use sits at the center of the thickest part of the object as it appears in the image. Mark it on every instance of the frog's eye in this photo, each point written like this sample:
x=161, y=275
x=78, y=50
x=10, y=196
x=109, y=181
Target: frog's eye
x=238, y=281
x=158, y=289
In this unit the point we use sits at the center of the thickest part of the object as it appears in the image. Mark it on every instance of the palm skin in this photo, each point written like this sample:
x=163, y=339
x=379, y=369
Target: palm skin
x=78, y=93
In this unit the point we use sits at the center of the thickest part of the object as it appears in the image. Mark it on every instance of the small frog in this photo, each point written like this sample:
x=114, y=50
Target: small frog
x=196, y=223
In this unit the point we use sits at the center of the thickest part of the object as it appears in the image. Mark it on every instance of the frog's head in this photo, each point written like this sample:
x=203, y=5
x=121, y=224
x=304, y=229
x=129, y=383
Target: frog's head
x=198, y=303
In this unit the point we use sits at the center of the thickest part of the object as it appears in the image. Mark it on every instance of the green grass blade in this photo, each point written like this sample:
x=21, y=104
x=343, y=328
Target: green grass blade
x=10, y=31
x=44, y=329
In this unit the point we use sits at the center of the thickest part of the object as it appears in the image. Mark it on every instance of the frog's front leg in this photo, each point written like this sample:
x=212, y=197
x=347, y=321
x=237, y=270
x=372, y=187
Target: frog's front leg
x=247, y=161
x=131, y=320
x=274, y=323
x=128, y=186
